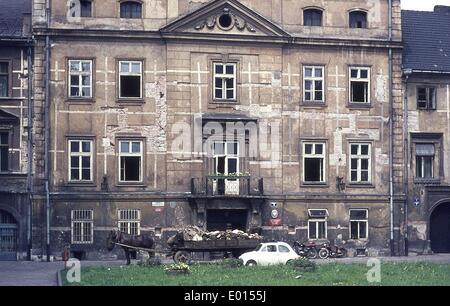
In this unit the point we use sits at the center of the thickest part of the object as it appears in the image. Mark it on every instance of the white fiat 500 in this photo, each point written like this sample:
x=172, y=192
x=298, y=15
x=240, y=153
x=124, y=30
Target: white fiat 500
x=273, y=253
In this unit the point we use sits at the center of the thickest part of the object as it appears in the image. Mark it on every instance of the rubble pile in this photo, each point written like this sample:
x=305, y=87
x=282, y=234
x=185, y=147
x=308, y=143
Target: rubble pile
x=193, y=233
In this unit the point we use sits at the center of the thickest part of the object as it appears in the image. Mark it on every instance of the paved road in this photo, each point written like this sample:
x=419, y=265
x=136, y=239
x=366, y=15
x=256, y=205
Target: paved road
x=26, y=273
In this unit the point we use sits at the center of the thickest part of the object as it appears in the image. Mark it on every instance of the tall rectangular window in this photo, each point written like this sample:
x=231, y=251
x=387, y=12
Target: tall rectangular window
x=224, y=81
x=312, y=17
x=313, y=84
x=130, y=221
x=130, y=160
x=359, y=85
x=4, y=151
x=426, y=98
x=80, y=78
x=314, y=162
x=80, y=160
x=317, y=224
x=359, y=224
x=425, y=154
x=130, y=79
x=360, y=163
x=82, y=228
x=4, y=79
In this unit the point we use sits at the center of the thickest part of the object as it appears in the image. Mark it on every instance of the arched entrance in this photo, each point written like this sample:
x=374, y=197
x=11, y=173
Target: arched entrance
x=440, y=229
x=8, y=236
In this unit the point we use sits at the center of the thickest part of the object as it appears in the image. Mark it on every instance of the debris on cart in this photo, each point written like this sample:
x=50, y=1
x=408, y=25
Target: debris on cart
x=194, y=233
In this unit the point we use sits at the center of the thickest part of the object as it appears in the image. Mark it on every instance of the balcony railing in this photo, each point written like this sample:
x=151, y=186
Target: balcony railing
x=224, y=185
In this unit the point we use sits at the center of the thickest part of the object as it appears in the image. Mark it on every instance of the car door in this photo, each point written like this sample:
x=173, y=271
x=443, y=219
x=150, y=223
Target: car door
x=284, y=254
x=271, y=256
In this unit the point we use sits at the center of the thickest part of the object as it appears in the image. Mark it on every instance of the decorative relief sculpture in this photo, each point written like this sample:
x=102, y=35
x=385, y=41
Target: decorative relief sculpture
x=225, y=21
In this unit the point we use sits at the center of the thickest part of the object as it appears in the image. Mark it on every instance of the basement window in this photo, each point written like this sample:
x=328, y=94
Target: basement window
x=130, y=221
x=82, y=227
x=80, y=78
x=359, y=224
x=360, y=163
x=130, y=9
x=359, y=85
x=317, y=224
x=224, y=81
x=426, y=98
x=425, y=154
x=130, y=161
x=4, y=151
x=358, y=20
x=80, y=160
x=4, y=79
x=312, y=17
x=314, y=162
x=130, y=79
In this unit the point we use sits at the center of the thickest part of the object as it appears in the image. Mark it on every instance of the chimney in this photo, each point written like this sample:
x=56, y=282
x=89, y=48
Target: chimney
x=442, y=9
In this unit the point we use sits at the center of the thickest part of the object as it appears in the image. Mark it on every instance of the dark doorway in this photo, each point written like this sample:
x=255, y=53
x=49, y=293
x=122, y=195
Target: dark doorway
x=8, y=236
x=440, y=229
x=226, y=219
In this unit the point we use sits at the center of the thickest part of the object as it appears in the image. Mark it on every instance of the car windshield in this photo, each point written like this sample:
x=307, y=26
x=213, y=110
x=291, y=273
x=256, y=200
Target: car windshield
x=259, y=247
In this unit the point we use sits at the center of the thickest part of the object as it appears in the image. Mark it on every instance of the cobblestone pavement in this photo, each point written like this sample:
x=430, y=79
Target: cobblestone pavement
x=25, y=273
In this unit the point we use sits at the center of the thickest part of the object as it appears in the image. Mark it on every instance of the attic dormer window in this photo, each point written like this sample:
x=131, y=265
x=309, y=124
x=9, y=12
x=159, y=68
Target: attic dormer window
x=358, y=20
x=130, y=9
x=312, y=17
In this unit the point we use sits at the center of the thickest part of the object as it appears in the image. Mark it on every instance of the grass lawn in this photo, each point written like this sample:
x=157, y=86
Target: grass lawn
x=397, y=274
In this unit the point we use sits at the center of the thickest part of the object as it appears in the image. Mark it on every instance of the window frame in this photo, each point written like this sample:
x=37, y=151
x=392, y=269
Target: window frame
x=83, y=222
x=223, y=76
x=323, y=156
x=141, y=155
x=91, y=11
x=351, y=79
x=317, y=221
x=128, y=221
x=80, y=156
x=433, y=102
x=423, y=157
x=141, y=76
x=8, y=146
x=366, y=221
x=360, y=157
x=358, y=11
x=435, y=139
x=80, y=75
x=141, y=3
x=312, y=10
x=313, y=79
x=8, y=75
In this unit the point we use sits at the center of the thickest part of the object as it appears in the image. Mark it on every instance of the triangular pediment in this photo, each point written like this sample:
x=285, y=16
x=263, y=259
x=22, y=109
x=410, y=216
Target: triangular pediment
x=228, y=17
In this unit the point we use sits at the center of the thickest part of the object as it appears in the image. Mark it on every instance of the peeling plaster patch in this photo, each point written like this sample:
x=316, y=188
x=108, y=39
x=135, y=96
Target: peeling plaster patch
x=419, y=229
x=413, y=121
x=256, y=110
x=381, y=159
x=381, y=88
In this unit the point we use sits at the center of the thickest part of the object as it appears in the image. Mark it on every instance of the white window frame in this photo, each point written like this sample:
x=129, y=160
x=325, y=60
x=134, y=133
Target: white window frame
x=127, y=217
x=359, y=221
x=317, y=156
x=224, y=76
x=360, y=157
x=130, y=73
x=359, y=80
x=313, y=80
x=422, y=158
x=80, y=73
x=80, y=156
x=87, y=217
x=131, y=154
x=317, y=221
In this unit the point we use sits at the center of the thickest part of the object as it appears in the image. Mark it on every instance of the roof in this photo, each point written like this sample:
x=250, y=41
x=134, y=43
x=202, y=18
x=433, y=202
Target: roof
x=11, y=17
x=426, y=39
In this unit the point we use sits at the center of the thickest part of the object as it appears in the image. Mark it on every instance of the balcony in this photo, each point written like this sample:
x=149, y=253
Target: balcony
x=227, y=186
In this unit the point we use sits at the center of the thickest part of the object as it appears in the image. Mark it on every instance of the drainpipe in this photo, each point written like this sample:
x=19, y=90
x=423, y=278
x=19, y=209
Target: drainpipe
x=407, y=73
x=30, y=152
x=391, y=140
x=47, y=131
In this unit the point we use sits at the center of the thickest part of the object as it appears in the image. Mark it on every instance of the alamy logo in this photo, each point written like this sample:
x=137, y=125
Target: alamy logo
x=374, y=274
x=73, y=10
x=74, y=271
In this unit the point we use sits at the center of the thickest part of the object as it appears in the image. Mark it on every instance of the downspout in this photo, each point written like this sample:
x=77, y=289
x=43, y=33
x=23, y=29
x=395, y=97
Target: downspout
x=30, y=152
x=407, y=74
x=391, y=139
x=47, y=131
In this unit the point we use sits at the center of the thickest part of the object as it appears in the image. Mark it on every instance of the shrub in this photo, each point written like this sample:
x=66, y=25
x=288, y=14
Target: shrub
x=180, y=267
x=232, y=263
x=303, y=264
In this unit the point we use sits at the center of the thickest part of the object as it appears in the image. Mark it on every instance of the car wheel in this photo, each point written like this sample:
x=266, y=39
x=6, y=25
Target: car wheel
x=324, y=253
x=289, y=262
x=251, y=263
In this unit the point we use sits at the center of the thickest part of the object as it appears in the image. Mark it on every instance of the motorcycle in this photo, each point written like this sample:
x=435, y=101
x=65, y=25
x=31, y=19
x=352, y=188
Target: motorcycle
x=309, y=251
x=331, y=251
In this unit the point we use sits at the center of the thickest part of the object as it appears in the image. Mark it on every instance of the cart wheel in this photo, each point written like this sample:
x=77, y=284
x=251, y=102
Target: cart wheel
x=182, y=257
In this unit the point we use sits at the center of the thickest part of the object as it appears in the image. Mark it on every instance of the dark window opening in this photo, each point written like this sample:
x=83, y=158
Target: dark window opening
x=130, y=86
x=225, y=21
x=312, y=17
x=80, y=255
x=426, y=98
x=4, y=79
x=130, y=168
x=425, y=161
x=130, y=9
x=4, y=151
x=232, y=219
x=359, y=92
x=358, y=20
x=86, y=8
x=313, y=170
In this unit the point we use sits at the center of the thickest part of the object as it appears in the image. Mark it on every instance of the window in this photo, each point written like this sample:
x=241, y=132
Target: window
x=317, y=223
x=426, y=98
x=312, y=17
x=80, y=79
x=359, y=224
x=80, y=160
x=86, y=8
x=283, y=249
x=224, y=81
x=130, y=221
x=358, y=19
x=314, y=162
x=82, y=226
x=359, y=85
x=130, y=79
x=4, y=151
x=130, y=161
x=130, y=9
x=4, y=79
x=360, y=163
x=313, y=80
x=425, y=153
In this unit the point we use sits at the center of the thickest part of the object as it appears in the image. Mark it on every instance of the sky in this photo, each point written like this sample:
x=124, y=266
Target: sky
x=422, y=5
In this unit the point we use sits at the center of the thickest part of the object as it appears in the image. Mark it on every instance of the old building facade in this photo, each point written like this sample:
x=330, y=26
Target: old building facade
x=274, y=114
